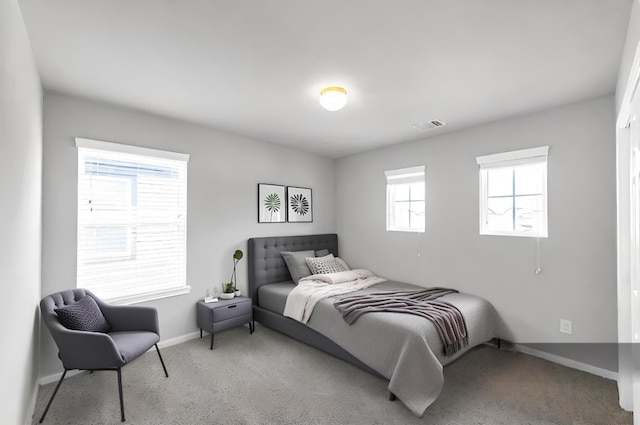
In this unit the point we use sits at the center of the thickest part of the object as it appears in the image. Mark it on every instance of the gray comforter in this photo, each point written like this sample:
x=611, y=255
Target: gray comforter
x=406, y=349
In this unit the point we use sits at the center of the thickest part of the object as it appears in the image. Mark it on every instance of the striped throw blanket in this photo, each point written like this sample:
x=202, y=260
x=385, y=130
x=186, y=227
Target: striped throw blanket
x=446, y=317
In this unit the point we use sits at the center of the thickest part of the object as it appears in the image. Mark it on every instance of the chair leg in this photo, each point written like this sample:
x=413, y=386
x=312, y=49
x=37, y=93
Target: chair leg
x=120, y=393
x=161, y=361
x=53, y=395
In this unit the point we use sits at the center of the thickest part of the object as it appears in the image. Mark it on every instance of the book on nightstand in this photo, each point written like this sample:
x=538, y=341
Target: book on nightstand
x=210, y=300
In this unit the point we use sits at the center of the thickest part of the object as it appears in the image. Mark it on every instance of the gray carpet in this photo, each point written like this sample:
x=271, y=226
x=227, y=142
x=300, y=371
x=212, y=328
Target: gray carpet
x=268, y=378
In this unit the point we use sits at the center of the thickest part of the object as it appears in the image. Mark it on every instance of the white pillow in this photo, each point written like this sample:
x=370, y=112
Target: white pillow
x=344, y=265
x=325, y=265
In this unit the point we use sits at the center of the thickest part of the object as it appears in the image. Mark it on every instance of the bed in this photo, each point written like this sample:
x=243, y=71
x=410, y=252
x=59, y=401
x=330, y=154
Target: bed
x=410, y=355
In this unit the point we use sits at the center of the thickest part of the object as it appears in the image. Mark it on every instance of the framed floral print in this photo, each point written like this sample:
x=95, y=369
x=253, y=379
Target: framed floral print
x=299, y=205
x=271, y=203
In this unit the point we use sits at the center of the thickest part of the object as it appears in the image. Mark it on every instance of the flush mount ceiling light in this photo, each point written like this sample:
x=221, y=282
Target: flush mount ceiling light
x=333, y=98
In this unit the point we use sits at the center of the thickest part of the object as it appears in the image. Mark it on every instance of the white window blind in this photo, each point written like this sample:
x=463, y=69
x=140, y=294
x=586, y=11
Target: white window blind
x=405, y=199
x=132, y=221
x=513, y=193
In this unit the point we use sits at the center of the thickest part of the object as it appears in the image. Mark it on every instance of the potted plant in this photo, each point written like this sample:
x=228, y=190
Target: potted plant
x=237, y=256
x=229, y=289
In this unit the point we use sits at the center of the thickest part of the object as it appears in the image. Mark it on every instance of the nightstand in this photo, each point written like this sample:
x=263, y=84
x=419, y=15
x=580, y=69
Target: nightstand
x=224, y=314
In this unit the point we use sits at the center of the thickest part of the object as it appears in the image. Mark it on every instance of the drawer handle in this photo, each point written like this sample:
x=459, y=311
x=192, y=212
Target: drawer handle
x=232, y=306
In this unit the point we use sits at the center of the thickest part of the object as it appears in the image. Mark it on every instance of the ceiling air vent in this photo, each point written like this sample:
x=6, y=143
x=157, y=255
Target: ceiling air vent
x=429, y=125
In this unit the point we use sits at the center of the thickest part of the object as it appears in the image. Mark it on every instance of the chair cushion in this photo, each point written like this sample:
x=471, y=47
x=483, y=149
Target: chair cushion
x=83, y=315
x=132, y=344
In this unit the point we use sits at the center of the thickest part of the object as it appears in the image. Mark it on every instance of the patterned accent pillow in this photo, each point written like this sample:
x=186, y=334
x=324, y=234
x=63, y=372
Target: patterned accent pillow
x=83, y=315
x=324, y=265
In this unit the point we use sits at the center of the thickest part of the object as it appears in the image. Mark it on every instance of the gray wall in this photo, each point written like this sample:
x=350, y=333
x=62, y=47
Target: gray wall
x=20, y=228
x=578, y=259
x=224, y=171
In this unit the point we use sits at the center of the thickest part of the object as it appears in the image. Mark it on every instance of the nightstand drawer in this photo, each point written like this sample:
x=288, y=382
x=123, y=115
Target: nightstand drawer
x=225, y=312
x=223, y=325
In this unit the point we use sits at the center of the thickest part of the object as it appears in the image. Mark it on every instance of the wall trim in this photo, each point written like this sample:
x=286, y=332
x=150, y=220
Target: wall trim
x=594, y=370
x=179, y=339
x=44, y=380
x=629, y=395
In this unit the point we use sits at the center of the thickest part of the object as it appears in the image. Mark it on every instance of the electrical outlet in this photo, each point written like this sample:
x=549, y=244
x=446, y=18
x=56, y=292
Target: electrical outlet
x=566, y=326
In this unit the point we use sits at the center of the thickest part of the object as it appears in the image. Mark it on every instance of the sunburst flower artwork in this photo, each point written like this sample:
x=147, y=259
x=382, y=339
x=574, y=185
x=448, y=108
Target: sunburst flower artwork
x=299, y=204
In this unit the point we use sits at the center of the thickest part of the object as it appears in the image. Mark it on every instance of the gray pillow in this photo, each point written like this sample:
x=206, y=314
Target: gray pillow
x=83, y=315
x=297, y=264
x=322, y=253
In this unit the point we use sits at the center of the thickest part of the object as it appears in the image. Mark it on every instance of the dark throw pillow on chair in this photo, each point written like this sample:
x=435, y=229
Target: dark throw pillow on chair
x=84, y=315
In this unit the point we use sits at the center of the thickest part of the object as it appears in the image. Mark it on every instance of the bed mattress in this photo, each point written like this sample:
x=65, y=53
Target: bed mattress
x=273, y=297
x=405, y=349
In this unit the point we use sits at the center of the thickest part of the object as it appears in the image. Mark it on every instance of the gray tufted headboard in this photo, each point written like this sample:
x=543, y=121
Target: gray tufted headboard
x=266, y=265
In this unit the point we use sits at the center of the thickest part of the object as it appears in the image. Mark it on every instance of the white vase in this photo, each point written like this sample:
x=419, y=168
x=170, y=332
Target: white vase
x=237, y=293
x=227, y=295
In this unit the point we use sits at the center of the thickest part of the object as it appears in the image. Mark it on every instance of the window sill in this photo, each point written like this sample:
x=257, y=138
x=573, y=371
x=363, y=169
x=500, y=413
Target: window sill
x=146, y=296
x=516, y=234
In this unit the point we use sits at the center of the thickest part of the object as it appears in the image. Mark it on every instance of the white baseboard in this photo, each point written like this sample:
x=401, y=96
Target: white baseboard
x=594, y=370
x=178, y=340
x=44, y=380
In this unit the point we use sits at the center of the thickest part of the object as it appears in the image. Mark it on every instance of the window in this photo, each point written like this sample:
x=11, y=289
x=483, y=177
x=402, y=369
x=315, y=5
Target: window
x=513, y=193
x=405, y=199
x=132, y=221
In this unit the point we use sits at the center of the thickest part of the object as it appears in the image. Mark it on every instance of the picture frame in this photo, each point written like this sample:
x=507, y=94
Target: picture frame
x=299, y=205
x=272, y=203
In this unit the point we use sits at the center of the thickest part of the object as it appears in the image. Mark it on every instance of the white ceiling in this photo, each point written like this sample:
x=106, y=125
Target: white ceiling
x=255, y=68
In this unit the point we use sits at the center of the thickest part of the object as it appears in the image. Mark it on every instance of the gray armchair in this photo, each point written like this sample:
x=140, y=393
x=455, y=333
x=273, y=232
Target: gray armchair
x=133, y=331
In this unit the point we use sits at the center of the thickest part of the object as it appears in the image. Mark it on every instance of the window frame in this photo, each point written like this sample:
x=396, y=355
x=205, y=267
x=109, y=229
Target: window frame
x=511, y=160
x=89, y=149
x=404, y=176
